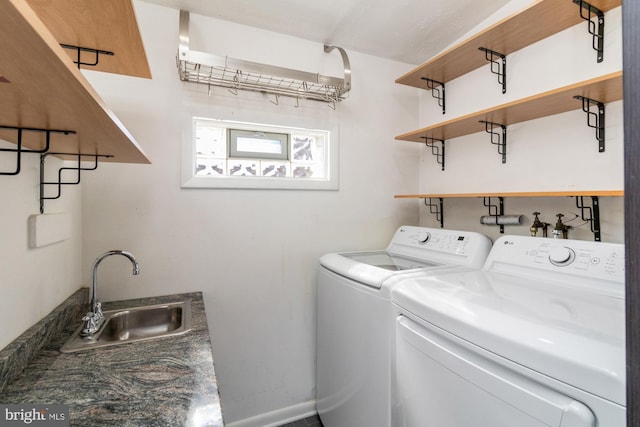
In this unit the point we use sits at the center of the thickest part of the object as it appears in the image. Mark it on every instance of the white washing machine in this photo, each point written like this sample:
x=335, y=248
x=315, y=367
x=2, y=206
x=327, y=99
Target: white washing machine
x=354, y=332
x=537, y=338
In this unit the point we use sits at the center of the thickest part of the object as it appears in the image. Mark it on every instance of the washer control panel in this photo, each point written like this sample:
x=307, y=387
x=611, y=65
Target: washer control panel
x=440, y=245
x=580, y=258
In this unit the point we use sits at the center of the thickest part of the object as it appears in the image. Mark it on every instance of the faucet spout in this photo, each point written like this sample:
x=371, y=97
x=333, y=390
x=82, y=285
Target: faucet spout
x=94, y=318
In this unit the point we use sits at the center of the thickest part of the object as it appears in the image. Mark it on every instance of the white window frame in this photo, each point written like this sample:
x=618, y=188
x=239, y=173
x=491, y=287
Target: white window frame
x=191, y=180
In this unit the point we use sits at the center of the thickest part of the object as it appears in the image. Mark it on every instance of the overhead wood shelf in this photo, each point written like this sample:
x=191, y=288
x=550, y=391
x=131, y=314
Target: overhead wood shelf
x=97, y=24
x=538, y=21
x=42, y=88
x=607, y=88
x=596, y=193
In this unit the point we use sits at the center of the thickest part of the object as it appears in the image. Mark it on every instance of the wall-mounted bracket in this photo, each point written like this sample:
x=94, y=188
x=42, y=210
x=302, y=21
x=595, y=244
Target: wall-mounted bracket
x=594, y=120
x=20, y=149
x=495, y=210
x=592, y=214
x=60, y=182
x=499, y=139
x=80, y=49
x=435, y=150
x=437, y=91
x=498, y=65
x=595, y=28
x=436, y=209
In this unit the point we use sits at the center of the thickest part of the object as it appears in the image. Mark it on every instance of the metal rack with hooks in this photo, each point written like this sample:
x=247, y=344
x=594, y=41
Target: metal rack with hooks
x=235, y=74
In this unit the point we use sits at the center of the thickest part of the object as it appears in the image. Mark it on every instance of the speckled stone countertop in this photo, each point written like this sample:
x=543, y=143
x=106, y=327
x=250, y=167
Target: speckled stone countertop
x=163, y=382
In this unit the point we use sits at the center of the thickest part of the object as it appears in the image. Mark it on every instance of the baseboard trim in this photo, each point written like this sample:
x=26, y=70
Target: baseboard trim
x=279, y=416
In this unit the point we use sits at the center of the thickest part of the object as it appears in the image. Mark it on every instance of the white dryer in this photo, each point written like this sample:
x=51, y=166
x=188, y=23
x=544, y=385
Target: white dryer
x=537, y=338
x=354, y=331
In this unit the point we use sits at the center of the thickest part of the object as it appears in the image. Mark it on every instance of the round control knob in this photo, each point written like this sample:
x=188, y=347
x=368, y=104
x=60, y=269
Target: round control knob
x=561, y=256
x=423, y=238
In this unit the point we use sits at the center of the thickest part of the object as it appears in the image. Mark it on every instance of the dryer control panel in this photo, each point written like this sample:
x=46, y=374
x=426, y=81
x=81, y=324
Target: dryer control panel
x=584, y=260
x=440, y=245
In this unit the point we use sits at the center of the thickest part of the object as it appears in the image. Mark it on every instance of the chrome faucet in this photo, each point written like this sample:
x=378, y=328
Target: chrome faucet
x=94, y=319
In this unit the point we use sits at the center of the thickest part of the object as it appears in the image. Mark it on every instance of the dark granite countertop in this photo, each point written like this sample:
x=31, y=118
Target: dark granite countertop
x=163, y=382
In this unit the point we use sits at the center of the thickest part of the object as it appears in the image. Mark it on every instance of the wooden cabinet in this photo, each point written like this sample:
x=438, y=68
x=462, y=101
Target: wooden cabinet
x=42, y=88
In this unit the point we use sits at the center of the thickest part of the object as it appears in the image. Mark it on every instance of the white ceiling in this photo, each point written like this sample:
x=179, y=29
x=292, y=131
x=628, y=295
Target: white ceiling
x=410, y=31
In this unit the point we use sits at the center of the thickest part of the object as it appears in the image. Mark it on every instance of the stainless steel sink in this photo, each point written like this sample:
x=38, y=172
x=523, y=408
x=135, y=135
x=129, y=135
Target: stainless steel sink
x=135, y=324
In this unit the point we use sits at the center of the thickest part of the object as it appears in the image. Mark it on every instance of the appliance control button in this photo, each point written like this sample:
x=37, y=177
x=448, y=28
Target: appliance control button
x=424, y=237
x=561, y=256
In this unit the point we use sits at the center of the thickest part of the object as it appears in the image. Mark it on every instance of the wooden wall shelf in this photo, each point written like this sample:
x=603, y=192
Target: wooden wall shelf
x=605, y=89
x=42, y=88
x=98, y=24
x=594, y=193
x=538, y=21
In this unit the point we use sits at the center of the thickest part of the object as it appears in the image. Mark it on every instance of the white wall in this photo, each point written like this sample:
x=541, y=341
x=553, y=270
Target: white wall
x=33, y=281
x=253, y=253
x=554, y=153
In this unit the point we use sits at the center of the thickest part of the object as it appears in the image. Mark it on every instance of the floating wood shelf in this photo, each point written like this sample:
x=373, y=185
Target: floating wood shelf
x=97, y=24
x=538, y=21
x=585, y=193
x=605, y=89
x=42, y=88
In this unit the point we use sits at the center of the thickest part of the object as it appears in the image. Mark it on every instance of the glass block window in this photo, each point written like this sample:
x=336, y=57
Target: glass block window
x=243, y=155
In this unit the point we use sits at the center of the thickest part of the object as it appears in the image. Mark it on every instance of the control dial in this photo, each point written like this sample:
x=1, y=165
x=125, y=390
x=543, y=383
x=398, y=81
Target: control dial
x=424, y=237
x=561, y=256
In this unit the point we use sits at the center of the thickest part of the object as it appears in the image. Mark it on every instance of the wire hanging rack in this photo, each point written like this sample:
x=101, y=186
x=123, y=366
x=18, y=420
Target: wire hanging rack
x=235, y=74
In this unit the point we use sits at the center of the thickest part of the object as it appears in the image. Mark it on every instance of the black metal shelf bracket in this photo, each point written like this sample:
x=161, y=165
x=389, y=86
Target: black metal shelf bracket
x=594, y=120
x=60, y=182
x=495, y=210
x=80, y=49
x=499, y=139
x=595, y=28
x=436, y=209
x=498, y=65
x=435, y=150
x=436, y=92
x=590, y=214
x=19, y=150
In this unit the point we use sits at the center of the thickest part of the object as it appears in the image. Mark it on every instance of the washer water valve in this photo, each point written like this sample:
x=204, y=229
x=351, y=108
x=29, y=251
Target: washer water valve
x=537, y=224
x=560, y=229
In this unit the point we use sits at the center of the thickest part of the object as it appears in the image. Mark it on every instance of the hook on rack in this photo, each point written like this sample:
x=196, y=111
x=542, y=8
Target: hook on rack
x=80, y=49
x=435, y=150
x=436, y=209
x=60, y=182
x=499, y=139
x=500, y=65
x=435, y=91
x=19, y=149
x=594, y=120
x=596, y=29
x=593, y=216
x=495, y=210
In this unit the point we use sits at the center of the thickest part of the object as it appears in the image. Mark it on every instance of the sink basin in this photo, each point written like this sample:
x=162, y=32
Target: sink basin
x=135, y=324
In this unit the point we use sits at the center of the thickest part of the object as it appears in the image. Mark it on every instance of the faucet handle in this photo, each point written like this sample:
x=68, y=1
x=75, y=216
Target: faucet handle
x=97, y=312
x=90, y=325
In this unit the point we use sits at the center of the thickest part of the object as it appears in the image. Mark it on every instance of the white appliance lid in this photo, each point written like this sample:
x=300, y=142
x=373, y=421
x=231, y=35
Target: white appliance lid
x=388, y=260
x=373, y=268
x=574, y=336
x=411, y=248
